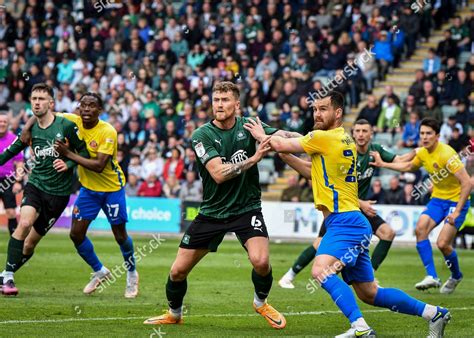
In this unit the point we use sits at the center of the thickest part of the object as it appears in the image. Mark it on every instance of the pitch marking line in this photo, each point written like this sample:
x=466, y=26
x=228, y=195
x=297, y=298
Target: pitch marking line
x=303, y=313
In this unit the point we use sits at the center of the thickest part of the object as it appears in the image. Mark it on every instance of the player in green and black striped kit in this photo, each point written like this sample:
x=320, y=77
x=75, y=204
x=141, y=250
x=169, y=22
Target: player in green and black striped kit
x=49, y=186
x=227, y=155
x=362, y=133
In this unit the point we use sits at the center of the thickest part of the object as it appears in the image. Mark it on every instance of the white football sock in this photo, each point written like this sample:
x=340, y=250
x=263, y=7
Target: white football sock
x=257, y=301
x=177, y=312
x=360, y=324
x=7, y=275
x=429, y=312
x=290, y=274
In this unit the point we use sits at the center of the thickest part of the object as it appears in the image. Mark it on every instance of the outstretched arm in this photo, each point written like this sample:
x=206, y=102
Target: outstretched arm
x=13, y=149
x=300, y=165
x=97, y=164
x=405, y=157
x=398, y=166
x=278, y=143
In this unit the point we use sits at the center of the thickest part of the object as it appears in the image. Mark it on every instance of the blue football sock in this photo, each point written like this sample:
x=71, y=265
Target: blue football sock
x=342, y=295
x=426, y=255
x=398, y=301
x=86, y=251
x=453, y=264
x=127, y=252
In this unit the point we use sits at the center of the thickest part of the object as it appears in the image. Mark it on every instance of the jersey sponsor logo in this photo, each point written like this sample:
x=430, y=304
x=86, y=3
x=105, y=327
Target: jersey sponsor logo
x=218, y=142
x=237, y=157
x=46, y=151
x=366, y=174
x=199, y=148
x=93, y=144
x=256, y=224
x=241, y=136
x=109, y=140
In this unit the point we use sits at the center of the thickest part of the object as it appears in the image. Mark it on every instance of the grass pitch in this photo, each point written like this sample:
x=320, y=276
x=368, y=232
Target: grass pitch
x=219, y=299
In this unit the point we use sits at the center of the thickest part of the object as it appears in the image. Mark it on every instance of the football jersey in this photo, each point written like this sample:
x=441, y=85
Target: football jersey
x=366, y=171
x=239, y=194
x=333, y=169
x=441, y=164
x=100, y=139
x=43, y=175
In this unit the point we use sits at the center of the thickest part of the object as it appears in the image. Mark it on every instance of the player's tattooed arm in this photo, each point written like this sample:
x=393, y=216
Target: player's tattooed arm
x=287, y=134
x=222, y=172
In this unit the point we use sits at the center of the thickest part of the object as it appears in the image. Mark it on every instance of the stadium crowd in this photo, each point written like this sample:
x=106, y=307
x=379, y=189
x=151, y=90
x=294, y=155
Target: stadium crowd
x=155, y=62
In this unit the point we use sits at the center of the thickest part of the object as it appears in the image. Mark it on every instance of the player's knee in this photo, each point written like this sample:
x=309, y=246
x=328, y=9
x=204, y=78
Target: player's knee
x=319, y=273
x=178, y=273
x=443, y=244
x=388, y=234
x=76, y=237
x=261, y=264
x=420, y=232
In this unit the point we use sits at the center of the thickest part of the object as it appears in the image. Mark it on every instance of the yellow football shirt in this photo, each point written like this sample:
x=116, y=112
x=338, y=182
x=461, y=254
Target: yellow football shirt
x=441, y=164
x=333, y=169
x=100, y=139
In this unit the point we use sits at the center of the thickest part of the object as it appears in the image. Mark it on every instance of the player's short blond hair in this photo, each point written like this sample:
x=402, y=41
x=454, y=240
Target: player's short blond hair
x=225, y=87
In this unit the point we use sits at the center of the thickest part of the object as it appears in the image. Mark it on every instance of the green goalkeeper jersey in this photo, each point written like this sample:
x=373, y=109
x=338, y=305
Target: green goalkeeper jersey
x=43, y=175
x=239, y=194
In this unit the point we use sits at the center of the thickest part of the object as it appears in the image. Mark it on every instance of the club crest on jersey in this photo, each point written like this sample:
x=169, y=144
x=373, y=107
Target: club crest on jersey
x=199, y=148
x=435, y=165
x=93, y=144
x=75, y=211
x=186, y=239
x=241, y=136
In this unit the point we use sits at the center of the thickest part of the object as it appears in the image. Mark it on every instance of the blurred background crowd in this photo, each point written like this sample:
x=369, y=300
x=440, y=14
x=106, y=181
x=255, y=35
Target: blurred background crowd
x=155, y=62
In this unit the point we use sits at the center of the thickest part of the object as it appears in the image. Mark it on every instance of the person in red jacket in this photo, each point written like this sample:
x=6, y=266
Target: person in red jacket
x=151, y=187
x=174, y=165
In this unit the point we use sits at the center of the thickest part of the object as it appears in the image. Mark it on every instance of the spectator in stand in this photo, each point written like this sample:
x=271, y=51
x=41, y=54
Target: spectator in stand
x=174, y=166
x=445, y=89
x=294, y=123
x=409, y=199
x=371, y=111
x=409, y=107
x=293, y=191
x=447, y=129
x=411, y=132
x=383, y=54
x=458, y=141
x=152, y=163
x=132, y=185
x=190, y=163
x=383, y=102
x=376, y=192
x=416, y=88
x=390, y=117
x=135, y=167
x=151, y=187
x=191, y=188
x=395, y=194
x=367, y=65
x=171, y=188
x=460, y=34
x=410, y=24
x=447, y=48
x=431, y=64
x=432, y=109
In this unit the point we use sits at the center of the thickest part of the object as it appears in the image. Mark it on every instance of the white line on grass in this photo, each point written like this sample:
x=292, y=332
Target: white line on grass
x=303, y=313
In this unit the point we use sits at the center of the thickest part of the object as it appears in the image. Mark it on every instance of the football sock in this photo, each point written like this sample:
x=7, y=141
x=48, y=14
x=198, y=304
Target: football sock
x=24, y=259
x=12, y=223
x=175, y=292
x=262, y=284
x=342, y=296
x=453, y=264
x=304, y=259
x=14, y=255
x=127, y=252
x=398, y=301
x=429, y=312
x=426, y=255
x=380, y=252
x=86, y=251
x=360, y=324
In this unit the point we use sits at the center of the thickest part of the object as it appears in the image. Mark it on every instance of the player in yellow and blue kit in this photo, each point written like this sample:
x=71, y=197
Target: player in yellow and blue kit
x=344, y=247
x=102, y=183
x=451, y=189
